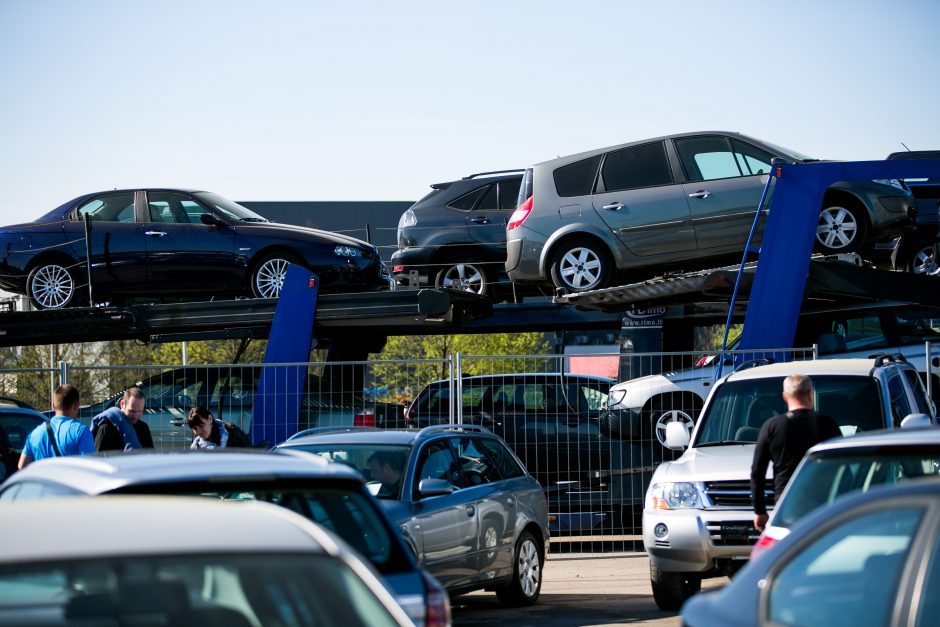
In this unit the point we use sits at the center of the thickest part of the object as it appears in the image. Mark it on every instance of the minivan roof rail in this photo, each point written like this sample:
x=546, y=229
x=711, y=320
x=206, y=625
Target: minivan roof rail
x=323, y=430
x=459, y=427
x=473, y=176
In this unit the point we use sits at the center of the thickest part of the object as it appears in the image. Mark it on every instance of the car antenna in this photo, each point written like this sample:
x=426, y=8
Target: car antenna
x=905, y=146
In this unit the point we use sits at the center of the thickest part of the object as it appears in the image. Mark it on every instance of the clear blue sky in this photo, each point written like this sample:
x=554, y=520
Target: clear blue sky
x=285, y=100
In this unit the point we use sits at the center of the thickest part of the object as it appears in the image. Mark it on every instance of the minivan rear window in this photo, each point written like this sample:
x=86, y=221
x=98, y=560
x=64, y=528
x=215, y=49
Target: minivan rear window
x=576, y=179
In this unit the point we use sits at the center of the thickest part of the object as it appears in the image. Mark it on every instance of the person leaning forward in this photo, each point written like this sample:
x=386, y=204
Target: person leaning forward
x=120, y=428
x=62, y=435
x=785, y=438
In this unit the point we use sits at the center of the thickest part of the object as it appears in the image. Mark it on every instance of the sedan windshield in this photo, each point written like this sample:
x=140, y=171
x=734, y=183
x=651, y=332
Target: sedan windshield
x=739, y=408
x=826, y=476
x=382, y=465
x=229, y=209
x=255, y=589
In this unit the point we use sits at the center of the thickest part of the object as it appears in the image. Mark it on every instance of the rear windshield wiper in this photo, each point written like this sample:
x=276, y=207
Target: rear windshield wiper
x=723, y=442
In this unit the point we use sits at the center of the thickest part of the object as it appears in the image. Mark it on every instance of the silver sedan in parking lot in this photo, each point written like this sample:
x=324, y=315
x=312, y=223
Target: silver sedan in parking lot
x=183, y=562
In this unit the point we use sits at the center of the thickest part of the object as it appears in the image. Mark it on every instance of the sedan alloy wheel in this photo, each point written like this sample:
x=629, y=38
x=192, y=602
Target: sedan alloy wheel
x=269, y=277
x=51, y=286
x=838, y=230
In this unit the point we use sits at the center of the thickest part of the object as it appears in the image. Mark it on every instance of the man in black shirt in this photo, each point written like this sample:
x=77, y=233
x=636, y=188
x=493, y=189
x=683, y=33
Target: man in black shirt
x=785, y=438
x=121, y=428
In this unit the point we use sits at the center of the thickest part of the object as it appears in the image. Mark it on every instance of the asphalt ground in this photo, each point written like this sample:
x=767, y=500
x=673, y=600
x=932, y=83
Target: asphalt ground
x=580, y=589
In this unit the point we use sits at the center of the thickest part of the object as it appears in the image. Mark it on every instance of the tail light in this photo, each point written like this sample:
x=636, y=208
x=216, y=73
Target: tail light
x=438, y=603
x=520, y=214
x=398, y=268
x=364, y=419
x=763, y=543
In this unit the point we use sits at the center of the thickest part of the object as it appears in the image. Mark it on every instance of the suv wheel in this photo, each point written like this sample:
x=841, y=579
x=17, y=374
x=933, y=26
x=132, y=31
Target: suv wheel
x=579, y=265
x=670, y=590
x=463, y=276
x=841, y=229
x=924, y=261
x=526, y=583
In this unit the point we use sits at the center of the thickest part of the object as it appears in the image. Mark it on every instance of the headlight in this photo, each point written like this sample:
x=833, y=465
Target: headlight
x=347, y=251
x=616, y=397
x=891, y=182
x=407, y=219
x=681, y=495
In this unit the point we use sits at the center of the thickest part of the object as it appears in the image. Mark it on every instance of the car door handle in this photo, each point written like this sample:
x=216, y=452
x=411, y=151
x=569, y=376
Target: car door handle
x=471, y=510
x=480, y=220
x=155, y=233
x=702, y=193
x=614, y=206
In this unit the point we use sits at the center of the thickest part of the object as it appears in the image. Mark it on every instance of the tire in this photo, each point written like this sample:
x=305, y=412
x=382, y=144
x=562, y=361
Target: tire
x=466, y=277
x=579, y=265
x=660, y=411
x=671, y=590
x=526, y=583
x=52, y=285
x=267, y=275
x=841, y=228
x=924, y=261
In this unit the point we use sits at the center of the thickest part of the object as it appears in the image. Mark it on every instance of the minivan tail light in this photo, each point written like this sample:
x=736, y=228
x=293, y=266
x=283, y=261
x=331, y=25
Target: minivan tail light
x=520, y=214
x=364, y=419
x=763, y=543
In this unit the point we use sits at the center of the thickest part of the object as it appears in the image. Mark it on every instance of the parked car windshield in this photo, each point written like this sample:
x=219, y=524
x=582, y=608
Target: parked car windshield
x=739, y=408
x=230, y=209
x=826, y=476
x=257, y=589
x=347, y=513
x=382, y=465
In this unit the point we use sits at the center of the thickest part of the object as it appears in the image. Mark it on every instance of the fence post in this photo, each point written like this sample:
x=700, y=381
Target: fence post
x=450, y=389
x=64, y=371
x=929, y=370
x=458, y=399
x=815, y=351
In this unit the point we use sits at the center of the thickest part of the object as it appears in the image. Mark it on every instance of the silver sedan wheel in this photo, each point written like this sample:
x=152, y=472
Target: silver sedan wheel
x=925, y=262
x=51, y=286
x=530, y=568
x=269, y=277
x=675, y=415
x=837, y=228
x=465, y=277
x=581, y=268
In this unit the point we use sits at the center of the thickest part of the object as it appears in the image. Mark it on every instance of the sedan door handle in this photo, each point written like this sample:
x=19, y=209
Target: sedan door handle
x=155, y=233
x=614, y=206
x=471, y=510
x=702, y=193
x=480, y=220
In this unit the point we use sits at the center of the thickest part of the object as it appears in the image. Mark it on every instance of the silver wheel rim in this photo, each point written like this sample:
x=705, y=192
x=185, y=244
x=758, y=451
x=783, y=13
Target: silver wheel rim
x=52, y=286
x=269, y=279
x=530, y=568
x=580, y=268
x=464, y=277
x=489, y=541
x=674, y=415
x=925, y=262
x=837, y=228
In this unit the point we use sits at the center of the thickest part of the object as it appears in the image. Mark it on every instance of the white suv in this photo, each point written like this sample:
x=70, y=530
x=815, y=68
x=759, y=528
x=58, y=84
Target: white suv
x=640, y=409
x=697, y=516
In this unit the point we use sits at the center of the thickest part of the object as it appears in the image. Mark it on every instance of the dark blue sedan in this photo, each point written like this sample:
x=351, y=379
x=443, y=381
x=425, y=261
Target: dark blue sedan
x=174, y=243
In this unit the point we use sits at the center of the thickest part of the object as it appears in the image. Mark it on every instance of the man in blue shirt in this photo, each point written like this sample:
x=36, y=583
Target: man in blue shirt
x=70, y=437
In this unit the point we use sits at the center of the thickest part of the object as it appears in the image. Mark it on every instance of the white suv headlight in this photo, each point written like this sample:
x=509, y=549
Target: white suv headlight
x=678, y=495
x=615, y=397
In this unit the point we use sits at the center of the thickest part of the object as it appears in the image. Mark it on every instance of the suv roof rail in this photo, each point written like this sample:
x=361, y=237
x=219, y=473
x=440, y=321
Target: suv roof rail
x=753, y=363
x=459, y=427
x=887, y=358
x=324, y=430
x=473, y=176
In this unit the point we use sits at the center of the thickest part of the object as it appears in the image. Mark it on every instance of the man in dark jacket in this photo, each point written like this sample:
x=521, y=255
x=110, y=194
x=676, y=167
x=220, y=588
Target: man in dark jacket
x=120, y=428
x=785, y=438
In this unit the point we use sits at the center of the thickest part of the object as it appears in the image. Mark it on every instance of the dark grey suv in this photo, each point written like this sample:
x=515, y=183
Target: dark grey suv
x=456, y=235
x=466, y=506
x=679, y=201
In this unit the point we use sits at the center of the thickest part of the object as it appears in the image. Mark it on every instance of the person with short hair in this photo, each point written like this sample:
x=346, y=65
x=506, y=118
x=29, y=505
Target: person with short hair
x=386, y=467
x=62, y=435
x=121, y=428
x=785, y=438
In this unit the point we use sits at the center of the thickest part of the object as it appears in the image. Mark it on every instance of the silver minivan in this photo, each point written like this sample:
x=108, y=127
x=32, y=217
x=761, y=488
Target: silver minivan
x=680, y=200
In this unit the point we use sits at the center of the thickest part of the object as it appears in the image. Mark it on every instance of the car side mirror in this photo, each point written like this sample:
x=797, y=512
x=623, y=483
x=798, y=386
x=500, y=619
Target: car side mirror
x=434, y=487
x=210, y=220
x=677, y=436
x=916, y=420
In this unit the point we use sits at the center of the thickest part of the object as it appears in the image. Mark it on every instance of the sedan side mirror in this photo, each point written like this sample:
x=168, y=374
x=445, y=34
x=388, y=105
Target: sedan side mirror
x=677, y=435
x=916, y=420
x=434, y=487
x=210, y=220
